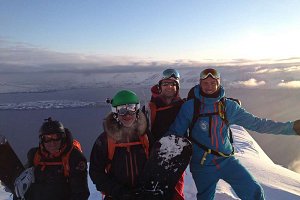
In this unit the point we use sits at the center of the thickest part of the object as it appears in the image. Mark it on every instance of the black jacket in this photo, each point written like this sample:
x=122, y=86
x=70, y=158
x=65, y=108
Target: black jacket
x=163, y=118
x=127, y=162
x=51, y=183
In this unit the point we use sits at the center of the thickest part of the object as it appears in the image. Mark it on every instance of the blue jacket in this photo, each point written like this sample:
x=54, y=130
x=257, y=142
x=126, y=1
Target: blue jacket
x=219, y=138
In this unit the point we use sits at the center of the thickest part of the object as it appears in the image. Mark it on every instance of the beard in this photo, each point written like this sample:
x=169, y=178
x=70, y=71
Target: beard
x=168, y=94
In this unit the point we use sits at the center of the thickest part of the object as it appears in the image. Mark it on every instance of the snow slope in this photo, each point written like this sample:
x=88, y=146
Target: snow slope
x=278, y=182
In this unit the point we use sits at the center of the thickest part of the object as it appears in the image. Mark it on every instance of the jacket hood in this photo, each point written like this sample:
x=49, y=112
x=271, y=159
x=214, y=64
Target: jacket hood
x=155, y=90
x=124, y=134
x=207, y=100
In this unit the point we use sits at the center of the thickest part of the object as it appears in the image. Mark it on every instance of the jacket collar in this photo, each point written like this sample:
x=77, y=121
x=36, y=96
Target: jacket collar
x=123, y=134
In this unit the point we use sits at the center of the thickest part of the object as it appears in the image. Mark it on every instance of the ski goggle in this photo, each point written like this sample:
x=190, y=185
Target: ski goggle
x=51, y=137
x=168, y=84
x=210, y=72
x=128, y=109
x=171, y=73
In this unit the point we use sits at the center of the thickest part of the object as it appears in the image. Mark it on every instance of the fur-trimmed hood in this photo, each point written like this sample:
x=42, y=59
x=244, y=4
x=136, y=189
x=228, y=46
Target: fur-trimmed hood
x=123, y=134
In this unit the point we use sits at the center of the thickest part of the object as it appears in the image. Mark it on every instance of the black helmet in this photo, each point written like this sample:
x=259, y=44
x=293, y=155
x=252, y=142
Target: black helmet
x=51, y=127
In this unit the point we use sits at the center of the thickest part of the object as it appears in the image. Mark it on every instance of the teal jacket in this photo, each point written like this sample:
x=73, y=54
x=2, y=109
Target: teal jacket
x=214, y=134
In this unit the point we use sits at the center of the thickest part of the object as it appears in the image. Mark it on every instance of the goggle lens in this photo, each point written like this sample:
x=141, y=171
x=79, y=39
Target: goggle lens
x=168, y=84
x=169, y=73
x=129, y=109
x=210, y=72
x=51, y=137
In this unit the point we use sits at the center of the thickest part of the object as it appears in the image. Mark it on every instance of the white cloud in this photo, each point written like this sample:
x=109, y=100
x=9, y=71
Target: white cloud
x=249, y=83
x=273, y=70
x=290, y=84
x=292, y=68
x=295, y=166
x=263, y=71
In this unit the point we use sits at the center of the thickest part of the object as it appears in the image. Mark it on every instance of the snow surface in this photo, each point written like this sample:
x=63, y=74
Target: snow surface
x=170, y=148
x=278, y=182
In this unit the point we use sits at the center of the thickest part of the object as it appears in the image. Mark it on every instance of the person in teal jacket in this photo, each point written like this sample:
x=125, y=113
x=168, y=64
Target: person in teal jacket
x=213, y=154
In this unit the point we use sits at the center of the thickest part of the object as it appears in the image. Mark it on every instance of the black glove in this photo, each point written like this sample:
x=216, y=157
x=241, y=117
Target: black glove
x=297, y=126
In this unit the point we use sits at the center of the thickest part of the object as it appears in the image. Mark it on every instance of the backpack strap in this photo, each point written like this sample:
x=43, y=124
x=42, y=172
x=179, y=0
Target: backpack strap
x=64, y=159
x=191, y=93
x=223, y=115
x=196, y=114
x=153, y=110
x=112, y=144
x=145, y=142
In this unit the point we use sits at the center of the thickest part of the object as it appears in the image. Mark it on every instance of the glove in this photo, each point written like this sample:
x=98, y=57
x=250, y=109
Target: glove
x=23, y=182
x=297, y=126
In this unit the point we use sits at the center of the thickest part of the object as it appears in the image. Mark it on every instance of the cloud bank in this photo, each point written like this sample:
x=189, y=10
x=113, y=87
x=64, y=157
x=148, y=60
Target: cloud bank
x=291, y=84
x=275, y=70
x=250, y=83
x=26, y=58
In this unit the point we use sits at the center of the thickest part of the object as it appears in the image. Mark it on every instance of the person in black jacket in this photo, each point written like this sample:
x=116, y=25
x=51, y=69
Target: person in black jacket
x=60, y=168
x=162, y=110
x=121, y=151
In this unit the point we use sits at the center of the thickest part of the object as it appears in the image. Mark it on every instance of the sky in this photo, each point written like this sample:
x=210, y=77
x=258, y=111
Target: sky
x=156, y=30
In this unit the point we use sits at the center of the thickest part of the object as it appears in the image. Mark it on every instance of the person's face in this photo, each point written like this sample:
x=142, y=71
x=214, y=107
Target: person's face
x=209, y=85
x=168, y=88
x=52, y=142
x=127, y=120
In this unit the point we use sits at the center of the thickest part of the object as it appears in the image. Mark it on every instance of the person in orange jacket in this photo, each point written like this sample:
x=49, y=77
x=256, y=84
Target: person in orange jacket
x=58, y=167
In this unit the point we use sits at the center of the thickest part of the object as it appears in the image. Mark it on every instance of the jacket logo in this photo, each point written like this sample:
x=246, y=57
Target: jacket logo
x=203, y=125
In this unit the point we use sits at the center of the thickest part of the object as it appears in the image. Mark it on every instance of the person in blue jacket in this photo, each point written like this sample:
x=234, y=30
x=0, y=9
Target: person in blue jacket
x=213, y=154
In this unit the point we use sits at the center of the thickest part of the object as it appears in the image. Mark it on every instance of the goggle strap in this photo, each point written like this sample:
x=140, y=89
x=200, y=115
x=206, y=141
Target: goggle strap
x=114, y=109
x=210, y=74
x=173, y=77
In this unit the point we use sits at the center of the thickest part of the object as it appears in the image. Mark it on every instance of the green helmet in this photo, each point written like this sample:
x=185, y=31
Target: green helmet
x=124, y=97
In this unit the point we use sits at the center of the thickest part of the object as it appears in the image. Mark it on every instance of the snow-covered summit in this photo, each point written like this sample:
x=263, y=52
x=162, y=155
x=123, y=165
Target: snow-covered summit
x=278, y=182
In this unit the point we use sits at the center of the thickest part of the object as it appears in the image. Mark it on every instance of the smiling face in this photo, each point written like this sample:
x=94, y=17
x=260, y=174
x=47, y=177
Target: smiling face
x=52, y=146
x=127, y=120
x=168, y=88
x=52, y=143
x=209, y=85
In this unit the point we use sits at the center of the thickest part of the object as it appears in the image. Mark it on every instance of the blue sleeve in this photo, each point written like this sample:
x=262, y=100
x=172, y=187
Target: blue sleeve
x=183, y=119
x=239, y=116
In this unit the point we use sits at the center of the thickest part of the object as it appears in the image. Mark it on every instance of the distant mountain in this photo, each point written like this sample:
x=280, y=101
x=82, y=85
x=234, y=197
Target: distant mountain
x=232, y=77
